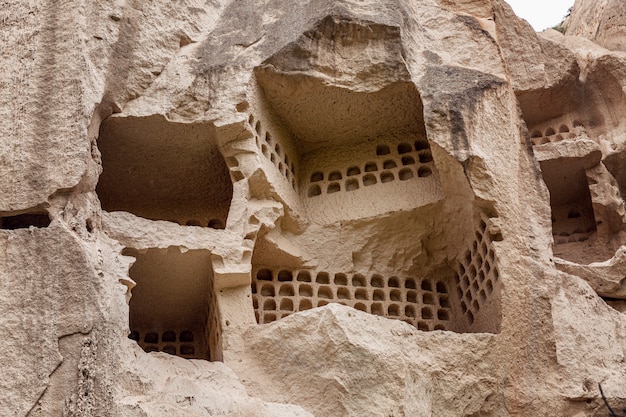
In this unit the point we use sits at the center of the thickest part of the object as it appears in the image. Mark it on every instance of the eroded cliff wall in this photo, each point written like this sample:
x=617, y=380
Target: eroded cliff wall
x=328, y=208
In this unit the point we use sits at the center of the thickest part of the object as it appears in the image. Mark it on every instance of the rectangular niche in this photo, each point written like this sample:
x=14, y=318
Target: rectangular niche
x=24, y=220
x=345, y=154
x=573, y=219
x=161, y=170
x=172, y=306
x=426, y=303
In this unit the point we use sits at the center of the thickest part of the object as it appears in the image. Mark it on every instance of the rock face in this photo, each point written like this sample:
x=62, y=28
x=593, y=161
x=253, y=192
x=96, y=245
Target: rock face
x=602, y=21
x=316, y=208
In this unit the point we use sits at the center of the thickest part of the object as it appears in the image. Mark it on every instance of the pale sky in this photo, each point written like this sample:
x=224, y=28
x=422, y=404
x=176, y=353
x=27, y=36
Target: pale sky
x=541, y=14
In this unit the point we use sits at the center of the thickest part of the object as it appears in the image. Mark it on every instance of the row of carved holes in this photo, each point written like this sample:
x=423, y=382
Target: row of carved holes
x=351, y=184
x=369, y=179
x=476, y=273
x=476, y=293
x=550, y=135
x=168, y=336
x=151, y=339
x=407, y=160
x=274, y=152
x=344, y=293
x=394, y=310
x=357, y=280
x=283, y=280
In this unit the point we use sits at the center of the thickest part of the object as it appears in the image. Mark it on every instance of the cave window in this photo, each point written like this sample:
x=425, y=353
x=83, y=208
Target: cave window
x=573, y=217
x=161, y=170
x=24, y=221
x=171, y=307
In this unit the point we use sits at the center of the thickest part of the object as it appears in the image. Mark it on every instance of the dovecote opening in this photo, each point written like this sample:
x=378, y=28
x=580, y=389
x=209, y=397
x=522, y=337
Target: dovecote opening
x=172, y=308
x=161, y=170
x=393, y=297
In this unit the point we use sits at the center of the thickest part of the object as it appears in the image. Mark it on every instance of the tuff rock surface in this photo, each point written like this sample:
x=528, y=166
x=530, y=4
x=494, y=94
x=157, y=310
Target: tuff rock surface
x=315, y=208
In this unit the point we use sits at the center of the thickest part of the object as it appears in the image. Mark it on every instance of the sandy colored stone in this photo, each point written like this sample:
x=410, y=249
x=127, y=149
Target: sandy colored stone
x=326, y=208
x=601, y=21
x=338, y=359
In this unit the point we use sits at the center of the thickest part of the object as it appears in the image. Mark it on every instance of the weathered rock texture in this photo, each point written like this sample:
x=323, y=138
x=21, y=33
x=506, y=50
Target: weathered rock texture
x=603, y=21
x=313, y=208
